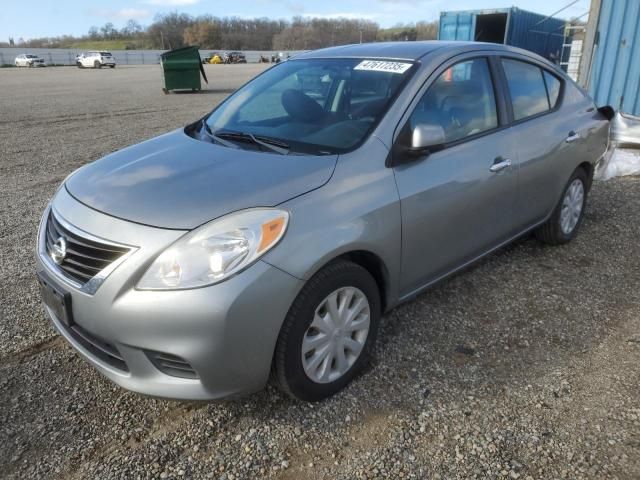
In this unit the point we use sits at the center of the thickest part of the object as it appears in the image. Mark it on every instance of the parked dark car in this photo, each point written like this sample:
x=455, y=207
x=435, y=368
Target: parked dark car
x=234, y=57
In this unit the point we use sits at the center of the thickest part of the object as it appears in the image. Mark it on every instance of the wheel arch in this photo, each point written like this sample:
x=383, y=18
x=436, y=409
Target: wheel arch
x=589, y=170
x=372, y=263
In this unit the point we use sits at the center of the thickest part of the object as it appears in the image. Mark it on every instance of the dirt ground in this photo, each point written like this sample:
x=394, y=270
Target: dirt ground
x=526, y=365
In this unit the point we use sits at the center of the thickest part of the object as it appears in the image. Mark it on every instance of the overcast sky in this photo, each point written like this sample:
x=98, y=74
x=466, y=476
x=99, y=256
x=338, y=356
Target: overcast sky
x=40, y=18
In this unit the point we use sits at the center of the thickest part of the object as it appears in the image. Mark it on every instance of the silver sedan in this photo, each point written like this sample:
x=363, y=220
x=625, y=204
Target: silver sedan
x=267, y=238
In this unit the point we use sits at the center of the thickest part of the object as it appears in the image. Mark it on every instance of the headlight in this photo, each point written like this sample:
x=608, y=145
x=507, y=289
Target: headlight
x=217, y=250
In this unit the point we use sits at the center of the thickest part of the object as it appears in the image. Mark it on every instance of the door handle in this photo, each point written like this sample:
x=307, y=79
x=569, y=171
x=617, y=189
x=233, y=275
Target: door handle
x=500, y=164
x=573, y=136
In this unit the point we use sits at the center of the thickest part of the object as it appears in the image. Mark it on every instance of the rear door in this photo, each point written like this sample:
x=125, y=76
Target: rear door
x=550, y=139
x=456, y=202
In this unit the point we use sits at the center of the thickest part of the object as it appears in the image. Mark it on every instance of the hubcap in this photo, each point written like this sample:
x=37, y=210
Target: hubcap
x=572, y=206
x=336, y=337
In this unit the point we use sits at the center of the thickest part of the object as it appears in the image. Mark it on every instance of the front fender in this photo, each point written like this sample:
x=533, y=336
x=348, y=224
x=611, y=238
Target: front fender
x=357, y=210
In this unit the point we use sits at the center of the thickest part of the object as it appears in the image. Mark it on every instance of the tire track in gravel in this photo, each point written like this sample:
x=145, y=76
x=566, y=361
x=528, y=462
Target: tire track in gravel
x=366, y=434
x=14, y=358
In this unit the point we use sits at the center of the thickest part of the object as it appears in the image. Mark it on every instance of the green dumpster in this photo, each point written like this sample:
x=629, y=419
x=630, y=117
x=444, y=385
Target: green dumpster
x=182, y=68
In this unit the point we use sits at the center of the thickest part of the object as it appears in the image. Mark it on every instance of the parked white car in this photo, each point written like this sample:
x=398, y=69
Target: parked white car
x=29, y=60
x=95, y=60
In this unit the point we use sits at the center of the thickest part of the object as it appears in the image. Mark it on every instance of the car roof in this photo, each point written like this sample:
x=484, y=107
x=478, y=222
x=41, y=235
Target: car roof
x=400, y=50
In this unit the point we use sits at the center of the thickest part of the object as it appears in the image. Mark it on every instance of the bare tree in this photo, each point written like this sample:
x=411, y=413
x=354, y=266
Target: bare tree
x=175, y=29
x=202, y=33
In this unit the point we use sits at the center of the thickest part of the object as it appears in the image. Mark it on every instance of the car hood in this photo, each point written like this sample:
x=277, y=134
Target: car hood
x=175, y=181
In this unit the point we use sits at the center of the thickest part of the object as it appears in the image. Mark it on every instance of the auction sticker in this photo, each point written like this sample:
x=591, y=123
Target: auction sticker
x=383, y=66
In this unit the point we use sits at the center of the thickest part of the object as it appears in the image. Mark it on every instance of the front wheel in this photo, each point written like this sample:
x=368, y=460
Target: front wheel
x=329, y=332
x=97, y=64
x=563, y=224
x=112, y=66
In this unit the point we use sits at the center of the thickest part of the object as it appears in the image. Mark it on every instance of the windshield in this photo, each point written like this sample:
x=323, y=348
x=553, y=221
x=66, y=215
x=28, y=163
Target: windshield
x=317, y=106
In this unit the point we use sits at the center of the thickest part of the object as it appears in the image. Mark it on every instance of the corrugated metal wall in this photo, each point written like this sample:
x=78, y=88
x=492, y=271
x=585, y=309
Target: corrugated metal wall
x=457, y=26
x=615, y=68
x=536, y=33
x=528, y=30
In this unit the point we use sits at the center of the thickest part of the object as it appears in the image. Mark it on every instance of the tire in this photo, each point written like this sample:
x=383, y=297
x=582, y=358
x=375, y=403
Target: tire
x=290, y=369
x=97, y=64
x=112, y=66
x=78, y=64
x=552, y=231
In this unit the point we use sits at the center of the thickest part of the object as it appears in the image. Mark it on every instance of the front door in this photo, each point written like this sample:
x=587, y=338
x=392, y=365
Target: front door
x=459, y=201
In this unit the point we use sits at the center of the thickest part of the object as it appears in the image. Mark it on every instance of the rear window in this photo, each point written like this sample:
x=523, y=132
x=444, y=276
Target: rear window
x=527, y=88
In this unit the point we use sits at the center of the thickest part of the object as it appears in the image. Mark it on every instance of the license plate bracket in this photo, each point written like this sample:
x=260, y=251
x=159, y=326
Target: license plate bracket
x=56, y=299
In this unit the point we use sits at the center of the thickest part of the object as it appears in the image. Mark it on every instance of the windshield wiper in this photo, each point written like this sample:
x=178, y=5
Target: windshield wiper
x=273, y=144
x=216, y=138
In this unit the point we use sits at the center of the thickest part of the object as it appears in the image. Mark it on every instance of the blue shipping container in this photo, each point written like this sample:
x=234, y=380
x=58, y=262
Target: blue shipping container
x=615, y=68
x=511, y=26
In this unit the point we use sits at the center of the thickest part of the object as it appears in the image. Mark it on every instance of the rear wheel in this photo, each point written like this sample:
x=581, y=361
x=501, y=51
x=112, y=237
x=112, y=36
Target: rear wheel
x=97, y=64
x=112, y=66
x=563, y=224
x=328, y=334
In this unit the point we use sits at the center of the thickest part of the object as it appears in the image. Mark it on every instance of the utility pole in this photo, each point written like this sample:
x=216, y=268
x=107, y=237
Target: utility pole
x=162, y=39
x=360, y=36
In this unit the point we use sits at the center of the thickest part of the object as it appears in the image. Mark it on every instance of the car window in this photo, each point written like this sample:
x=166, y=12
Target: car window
x=553, y=88
x=527, y=88
x=461, y=101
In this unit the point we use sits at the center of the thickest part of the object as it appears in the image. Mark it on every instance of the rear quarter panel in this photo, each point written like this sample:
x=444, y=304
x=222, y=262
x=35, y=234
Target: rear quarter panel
x=592, y=126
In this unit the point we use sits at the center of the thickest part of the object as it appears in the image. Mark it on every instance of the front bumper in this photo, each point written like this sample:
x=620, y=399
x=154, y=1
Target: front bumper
x=226, y=332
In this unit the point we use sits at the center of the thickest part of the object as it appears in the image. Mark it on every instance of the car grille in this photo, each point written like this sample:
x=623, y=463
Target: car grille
x=99, y=348
x=171, y=364
x=84, y=258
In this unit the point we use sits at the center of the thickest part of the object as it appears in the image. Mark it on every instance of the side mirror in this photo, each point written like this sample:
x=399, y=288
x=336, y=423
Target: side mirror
x=426, y=136
x=415, y=144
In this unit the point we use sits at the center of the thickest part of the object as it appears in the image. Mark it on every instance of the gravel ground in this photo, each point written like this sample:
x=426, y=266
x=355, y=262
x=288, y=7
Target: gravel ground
x=524, y=366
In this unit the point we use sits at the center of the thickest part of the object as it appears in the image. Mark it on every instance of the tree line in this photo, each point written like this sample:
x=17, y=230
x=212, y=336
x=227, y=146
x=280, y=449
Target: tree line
x=174, y=30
